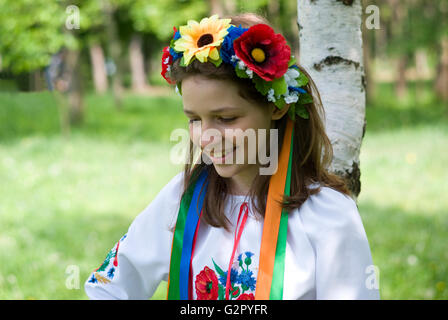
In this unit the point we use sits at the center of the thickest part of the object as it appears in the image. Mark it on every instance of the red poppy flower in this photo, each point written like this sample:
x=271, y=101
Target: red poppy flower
x=263, y=51
x=167, y=60
x=206, y=285
x=246, y=296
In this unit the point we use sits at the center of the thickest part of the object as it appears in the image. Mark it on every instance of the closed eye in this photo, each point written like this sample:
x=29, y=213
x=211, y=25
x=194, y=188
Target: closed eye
x=227, y=120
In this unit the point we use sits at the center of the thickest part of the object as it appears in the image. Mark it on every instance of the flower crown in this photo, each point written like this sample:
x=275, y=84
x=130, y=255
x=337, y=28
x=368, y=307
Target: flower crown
x=257, y=53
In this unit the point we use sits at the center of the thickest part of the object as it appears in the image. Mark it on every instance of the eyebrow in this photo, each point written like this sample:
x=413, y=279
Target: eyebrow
x=214, y=110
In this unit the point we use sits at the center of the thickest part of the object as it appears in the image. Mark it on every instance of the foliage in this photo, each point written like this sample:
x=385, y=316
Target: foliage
x=30, y=32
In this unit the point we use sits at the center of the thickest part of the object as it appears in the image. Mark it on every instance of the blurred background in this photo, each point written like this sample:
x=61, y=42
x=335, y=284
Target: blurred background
x=85, y=122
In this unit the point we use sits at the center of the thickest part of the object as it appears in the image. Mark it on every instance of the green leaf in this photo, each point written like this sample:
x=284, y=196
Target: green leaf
x=109, y=256
x=292, y=112
x=279, y=85
x=217, y=63
x=280, y=103
x=302, y=80
x=291, y=61
x=218, y=269
x=182, y=62
x=261, y=85
x=221, y=292
x=241, y=73
x=302, y=112
x=179, y=87
x=305, y=98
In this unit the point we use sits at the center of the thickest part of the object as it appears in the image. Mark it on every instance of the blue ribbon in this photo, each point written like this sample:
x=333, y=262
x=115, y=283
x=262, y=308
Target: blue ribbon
x=190, y=228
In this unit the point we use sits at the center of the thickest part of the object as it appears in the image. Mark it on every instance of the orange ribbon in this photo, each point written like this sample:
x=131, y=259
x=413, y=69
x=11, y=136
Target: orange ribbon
x=272, y=219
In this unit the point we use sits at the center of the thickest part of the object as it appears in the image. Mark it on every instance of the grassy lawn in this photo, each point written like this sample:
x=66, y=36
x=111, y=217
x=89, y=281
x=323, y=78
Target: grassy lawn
x=66, y=201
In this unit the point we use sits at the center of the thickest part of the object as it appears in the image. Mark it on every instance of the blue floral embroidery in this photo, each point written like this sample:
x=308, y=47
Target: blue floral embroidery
x=246, y=280
x=111, y=272
x=233, y=277
x=93, y=279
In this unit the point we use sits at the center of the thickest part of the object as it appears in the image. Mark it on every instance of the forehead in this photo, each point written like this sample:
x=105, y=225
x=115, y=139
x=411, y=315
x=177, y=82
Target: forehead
x=201, y=94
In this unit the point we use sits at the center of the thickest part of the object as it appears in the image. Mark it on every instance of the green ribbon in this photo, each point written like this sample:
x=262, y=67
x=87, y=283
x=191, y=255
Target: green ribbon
x=279, y=263
x=176, y=253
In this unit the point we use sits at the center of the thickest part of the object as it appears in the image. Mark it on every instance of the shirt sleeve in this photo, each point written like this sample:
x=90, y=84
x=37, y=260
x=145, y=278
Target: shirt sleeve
x=139, y=261
x=342, y=252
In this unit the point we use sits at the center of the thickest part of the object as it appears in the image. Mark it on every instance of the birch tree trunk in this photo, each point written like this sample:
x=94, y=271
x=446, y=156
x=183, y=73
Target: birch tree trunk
x=331, y=51
x=441, y=83
x=137, y=63
x=98, y=68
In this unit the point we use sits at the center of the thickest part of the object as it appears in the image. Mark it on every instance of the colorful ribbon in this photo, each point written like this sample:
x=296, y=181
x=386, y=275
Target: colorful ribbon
x=187, y=220
x=273, y=243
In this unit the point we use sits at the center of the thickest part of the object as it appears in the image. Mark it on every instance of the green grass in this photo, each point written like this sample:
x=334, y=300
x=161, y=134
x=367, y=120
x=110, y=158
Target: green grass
x=66, y=201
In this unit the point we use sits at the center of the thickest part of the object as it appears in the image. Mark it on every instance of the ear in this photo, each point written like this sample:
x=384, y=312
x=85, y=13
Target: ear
x=279, y=113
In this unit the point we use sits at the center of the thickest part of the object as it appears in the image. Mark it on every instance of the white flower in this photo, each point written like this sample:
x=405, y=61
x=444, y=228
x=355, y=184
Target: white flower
x=234, y=58
x=241, y=65
x=290, y=77
x=271, y=96
x=250, y=73
x=167, y=59
x=291, y=97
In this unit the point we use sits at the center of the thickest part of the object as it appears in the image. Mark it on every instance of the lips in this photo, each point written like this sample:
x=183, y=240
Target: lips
x=220, y=156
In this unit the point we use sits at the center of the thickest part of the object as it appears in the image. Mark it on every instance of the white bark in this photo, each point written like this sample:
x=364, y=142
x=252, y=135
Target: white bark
x=98, y=68
x=331, y=51
x=136, y=61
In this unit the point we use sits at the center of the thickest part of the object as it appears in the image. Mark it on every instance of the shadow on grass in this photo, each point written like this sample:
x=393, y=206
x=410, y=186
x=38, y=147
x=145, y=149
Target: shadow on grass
x=410, y=250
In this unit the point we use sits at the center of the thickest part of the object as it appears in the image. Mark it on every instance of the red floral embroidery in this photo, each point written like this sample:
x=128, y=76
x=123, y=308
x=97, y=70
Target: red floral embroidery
x=206, y=285
x=274, y=46
x=246, y=296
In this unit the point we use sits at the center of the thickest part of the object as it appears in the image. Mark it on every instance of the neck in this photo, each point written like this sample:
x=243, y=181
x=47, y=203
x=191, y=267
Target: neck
x=241, y=183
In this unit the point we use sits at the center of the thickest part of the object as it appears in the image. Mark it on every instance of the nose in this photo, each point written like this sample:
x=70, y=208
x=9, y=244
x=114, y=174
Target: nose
x=203, y=134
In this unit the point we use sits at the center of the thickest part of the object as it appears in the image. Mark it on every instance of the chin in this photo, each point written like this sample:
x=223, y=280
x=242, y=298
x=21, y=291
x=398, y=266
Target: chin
x=227, y=170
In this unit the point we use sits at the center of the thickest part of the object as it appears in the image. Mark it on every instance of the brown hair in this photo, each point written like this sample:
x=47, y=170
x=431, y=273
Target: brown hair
x=312, y=152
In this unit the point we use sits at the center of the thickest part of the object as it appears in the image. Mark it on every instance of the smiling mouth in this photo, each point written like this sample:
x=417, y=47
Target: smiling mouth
x=221, y=155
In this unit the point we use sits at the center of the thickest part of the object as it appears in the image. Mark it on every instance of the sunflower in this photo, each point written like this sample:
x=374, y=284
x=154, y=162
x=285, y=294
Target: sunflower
x=201, y=40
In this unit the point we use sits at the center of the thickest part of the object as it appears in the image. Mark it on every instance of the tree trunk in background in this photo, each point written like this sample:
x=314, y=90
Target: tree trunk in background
x=367, y=40
x=421, y=69
x=114, y=51
x=331, y=51
x=98, y=68
x=74, y=92
x=274, y=11
x=69, y=93
x=229, y=7
x=36, y=81
x=216, y=7
x=441, y=83
x=400, y=78
x=137, y=63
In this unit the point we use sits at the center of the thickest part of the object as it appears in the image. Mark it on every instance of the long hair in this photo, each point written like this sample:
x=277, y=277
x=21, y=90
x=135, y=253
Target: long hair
x=312, y=153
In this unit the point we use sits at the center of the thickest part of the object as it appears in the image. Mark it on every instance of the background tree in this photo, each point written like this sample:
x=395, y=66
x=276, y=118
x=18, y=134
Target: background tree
x=331, y=50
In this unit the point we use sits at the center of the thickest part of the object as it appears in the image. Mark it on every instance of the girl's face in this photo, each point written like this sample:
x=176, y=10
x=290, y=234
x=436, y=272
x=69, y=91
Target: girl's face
x=219, y=122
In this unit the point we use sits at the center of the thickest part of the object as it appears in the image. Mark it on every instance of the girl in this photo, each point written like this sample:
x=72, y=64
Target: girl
x=226, y=230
